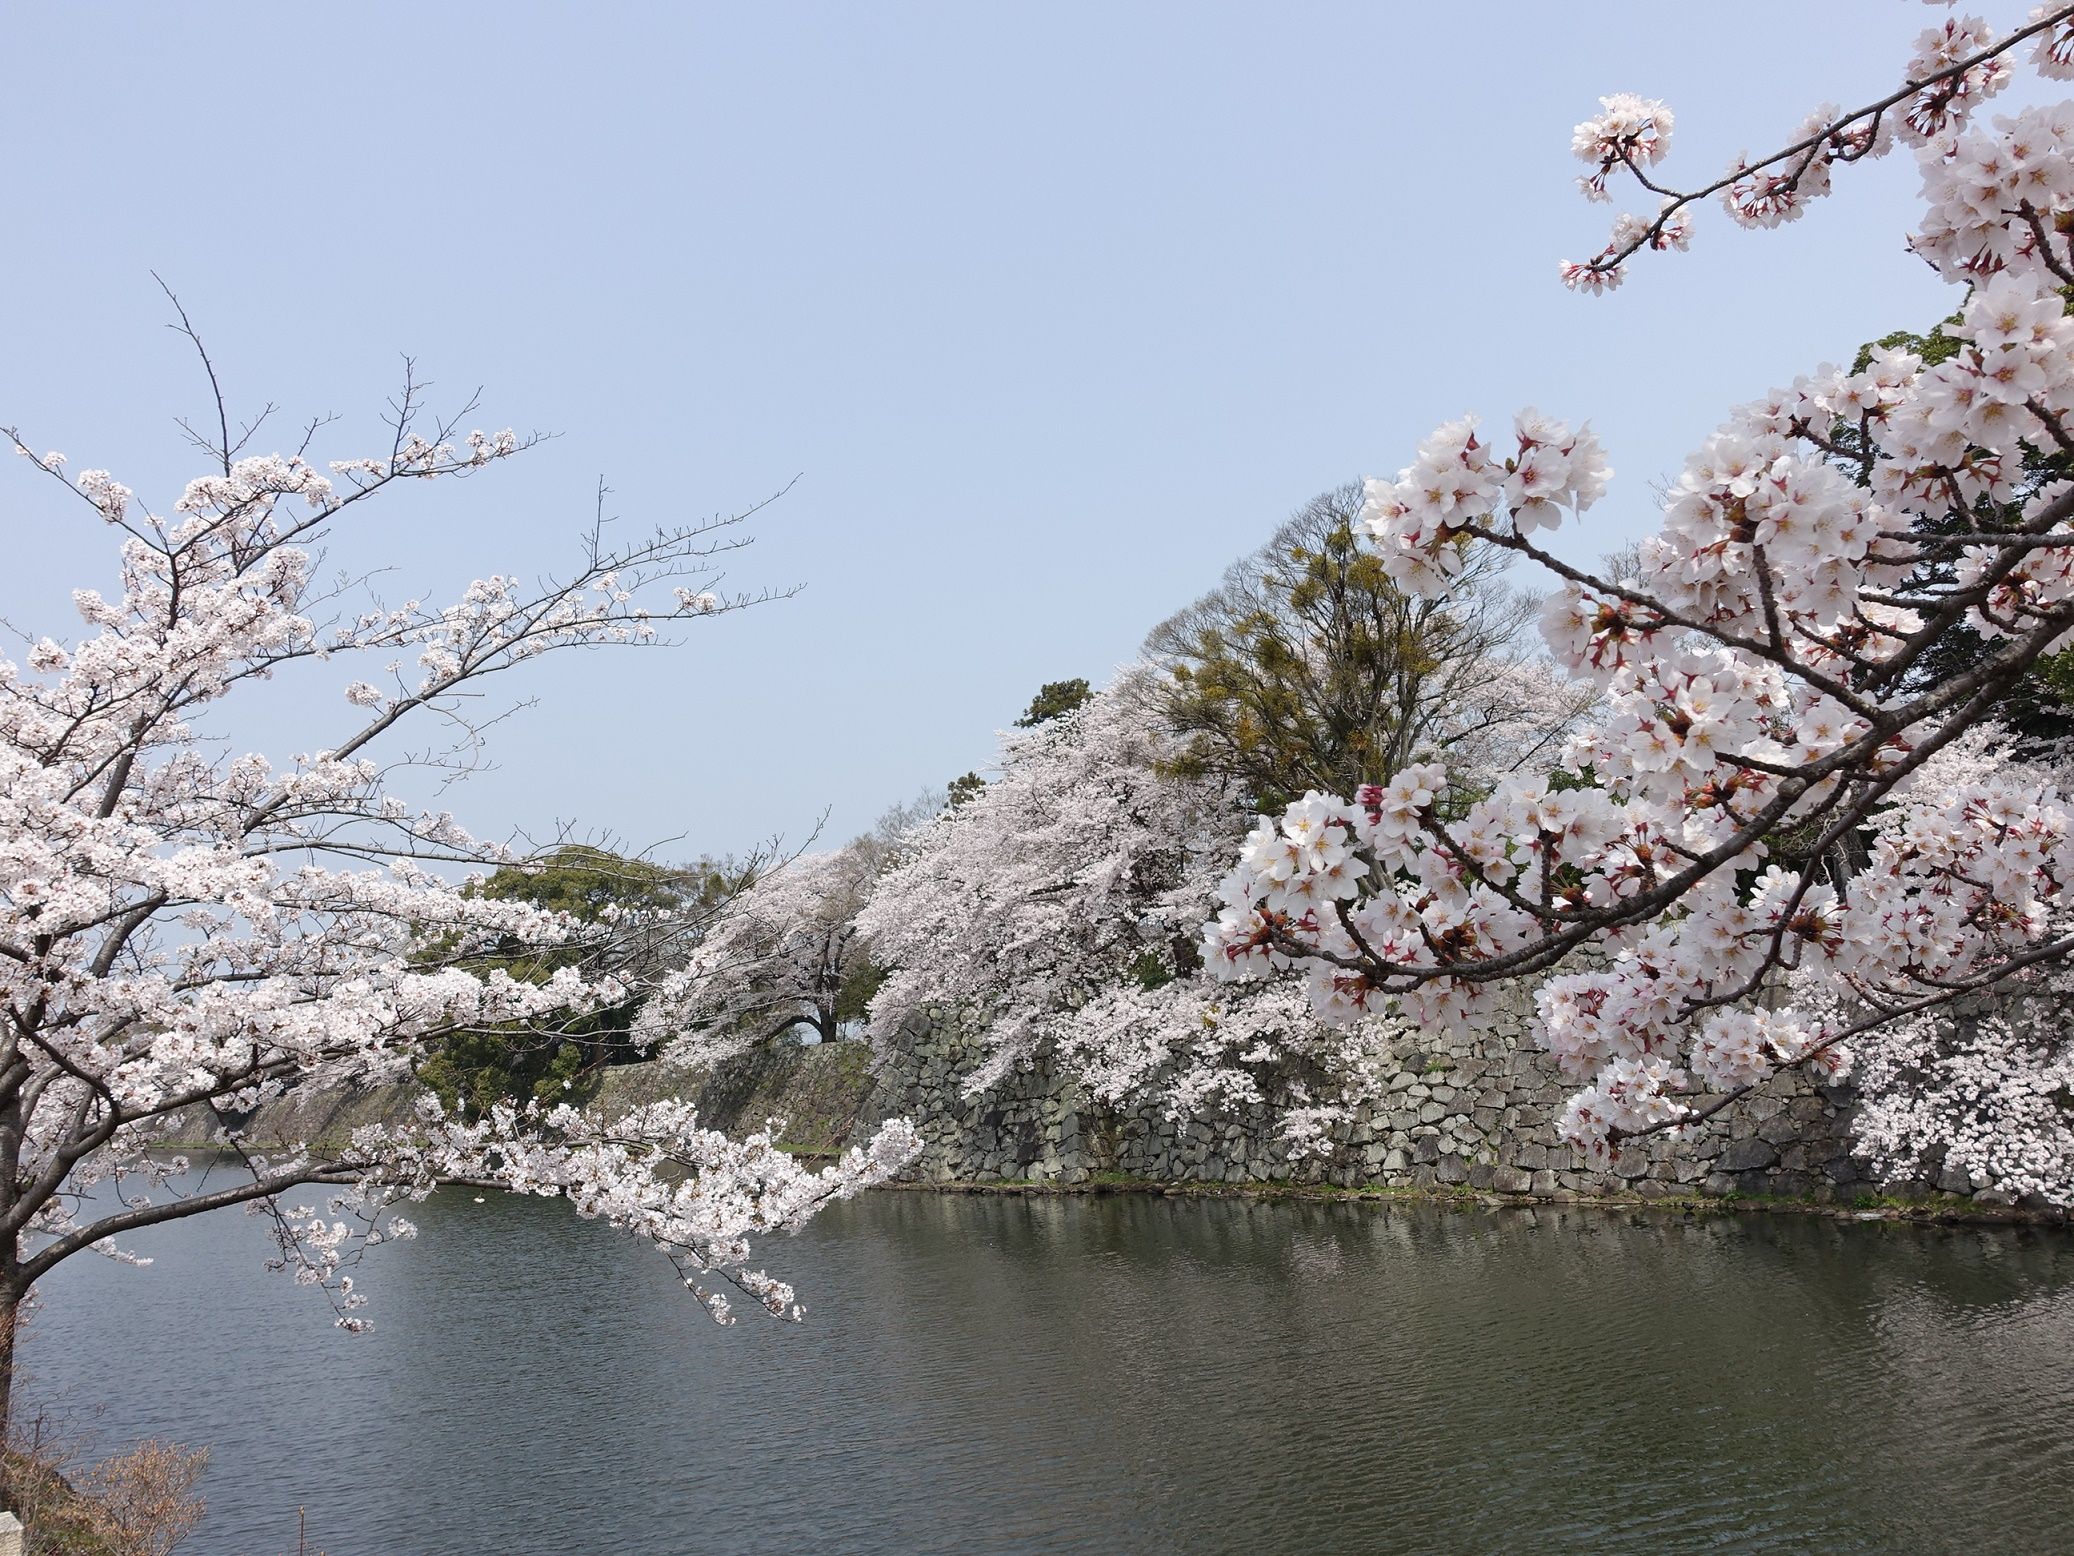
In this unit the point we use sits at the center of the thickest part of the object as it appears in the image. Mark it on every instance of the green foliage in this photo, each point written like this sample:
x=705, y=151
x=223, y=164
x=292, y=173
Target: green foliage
x=585, y=882
x=1933, y=348
x=1053, y=699
x=470, y=1071
x=1151, y=970
x=1307, y=668
x=860, y=982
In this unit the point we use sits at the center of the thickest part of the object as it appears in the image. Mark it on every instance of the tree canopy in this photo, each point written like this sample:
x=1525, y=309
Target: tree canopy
x=637, y=915
x=1053, y=699
x=1307, y=667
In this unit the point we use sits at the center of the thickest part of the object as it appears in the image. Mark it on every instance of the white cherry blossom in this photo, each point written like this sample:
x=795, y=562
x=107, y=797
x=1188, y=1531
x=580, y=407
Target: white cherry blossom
x=1740, y=866
x=188, y=929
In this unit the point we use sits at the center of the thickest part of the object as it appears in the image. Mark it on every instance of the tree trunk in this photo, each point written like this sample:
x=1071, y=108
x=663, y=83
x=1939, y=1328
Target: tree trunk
x=10, y=1314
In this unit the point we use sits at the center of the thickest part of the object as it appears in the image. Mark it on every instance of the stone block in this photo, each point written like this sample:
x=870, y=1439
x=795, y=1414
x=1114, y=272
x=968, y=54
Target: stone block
x=1778, y=1129
x=1746, y=1155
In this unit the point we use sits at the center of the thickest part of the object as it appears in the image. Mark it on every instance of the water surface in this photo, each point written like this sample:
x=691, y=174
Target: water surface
x=1114, y=1374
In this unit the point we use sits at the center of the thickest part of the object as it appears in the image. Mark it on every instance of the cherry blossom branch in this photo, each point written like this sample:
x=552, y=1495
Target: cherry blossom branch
x=1633, y=134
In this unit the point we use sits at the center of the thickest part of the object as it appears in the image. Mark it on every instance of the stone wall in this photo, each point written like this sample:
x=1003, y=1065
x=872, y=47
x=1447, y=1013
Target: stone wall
x=323, y=1118
x=823, y=1093
x=1471, y=1110
x=1476, y=1110
x=826, y=1094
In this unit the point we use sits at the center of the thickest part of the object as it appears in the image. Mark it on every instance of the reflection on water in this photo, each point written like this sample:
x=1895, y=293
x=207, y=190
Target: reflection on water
x=1134, y=1374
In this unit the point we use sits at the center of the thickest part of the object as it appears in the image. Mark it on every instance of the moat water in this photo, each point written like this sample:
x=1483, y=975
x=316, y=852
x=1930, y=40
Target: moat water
x=1114, y=1374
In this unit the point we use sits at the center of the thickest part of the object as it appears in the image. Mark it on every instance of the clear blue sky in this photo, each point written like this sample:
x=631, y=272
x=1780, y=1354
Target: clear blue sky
x=1055, y=309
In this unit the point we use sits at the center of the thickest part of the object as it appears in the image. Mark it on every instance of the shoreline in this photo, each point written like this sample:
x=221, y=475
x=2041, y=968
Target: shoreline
x=1938, y=1210
x=1933, y=1210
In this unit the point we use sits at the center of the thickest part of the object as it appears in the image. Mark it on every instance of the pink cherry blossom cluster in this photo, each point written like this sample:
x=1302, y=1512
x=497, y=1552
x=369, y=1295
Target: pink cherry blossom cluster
x=1955, y=66
x=694, y=1193
x=1418, y=520
x=1628, y=131
x=1736, y=867
x=1995, y=196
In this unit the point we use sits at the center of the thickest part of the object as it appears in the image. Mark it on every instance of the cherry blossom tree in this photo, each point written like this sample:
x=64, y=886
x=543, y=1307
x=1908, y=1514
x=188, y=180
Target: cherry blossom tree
x=187, y=929
x=1058, y=910
x=784, y=954
x=1762, y=665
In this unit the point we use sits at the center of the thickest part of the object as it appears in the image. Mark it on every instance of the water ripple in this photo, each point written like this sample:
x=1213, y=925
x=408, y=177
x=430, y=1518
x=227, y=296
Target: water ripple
x=1123, y=1374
